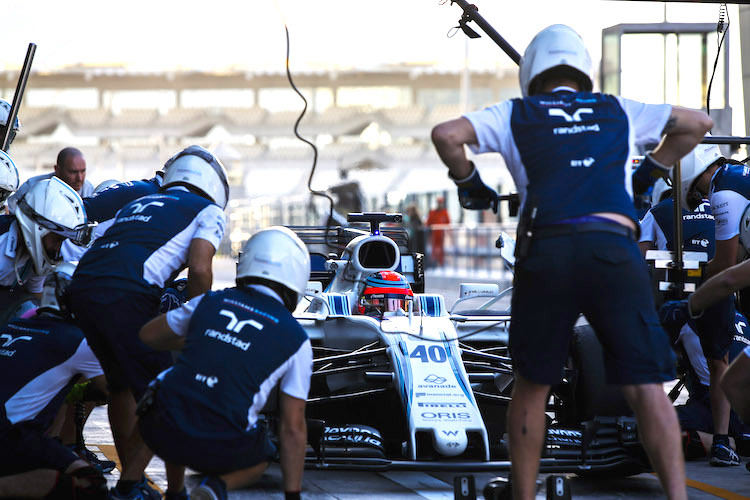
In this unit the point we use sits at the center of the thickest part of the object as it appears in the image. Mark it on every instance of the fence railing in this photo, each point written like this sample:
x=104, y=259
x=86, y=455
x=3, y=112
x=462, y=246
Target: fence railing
x=460, y=249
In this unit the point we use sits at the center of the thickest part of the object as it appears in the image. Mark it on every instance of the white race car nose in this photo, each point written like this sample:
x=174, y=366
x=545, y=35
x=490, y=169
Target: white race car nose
x=450, y=442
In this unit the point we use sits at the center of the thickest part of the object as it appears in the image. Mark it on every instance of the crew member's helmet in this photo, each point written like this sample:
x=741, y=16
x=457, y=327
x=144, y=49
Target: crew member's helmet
x=555, y=46
x=276, y=256
x=693, y=165
x=8, y=176
x=104, y=185
x=55, y=287
x=51, y=206
x=4, y=114
x=385, y=291
x=196, y=168
x=660, y=187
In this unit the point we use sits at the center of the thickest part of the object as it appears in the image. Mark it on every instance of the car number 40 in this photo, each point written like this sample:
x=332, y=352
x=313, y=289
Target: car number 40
x=434, y=353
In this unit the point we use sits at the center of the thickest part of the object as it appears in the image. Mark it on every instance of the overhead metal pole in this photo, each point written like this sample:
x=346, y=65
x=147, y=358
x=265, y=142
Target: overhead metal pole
x=472, y=13
x=23, y=78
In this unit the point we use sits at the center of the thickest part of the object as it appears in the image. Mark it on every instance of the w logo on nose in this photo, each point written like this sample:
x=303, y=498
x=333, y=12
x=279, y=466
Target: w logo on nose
x=140, y=207
x=576, y=117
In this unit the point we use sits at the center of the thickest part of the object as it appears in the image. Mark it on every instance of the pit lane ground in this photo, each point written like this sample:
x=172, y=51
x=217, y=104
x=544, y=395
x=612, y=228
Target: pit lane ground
x=703, y=481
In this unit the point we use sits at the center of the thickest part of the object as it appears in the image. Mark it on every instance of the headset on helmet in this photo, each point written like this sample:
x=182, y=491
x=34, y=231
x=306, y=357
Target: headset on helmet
x=385, y=291
x=8, y=176
x=197, y=168
x=4, y=114
x=104, y=185
x=51, y=206
x=55, y=286
x=276, y=255
x=555, y=46
x=693, y=165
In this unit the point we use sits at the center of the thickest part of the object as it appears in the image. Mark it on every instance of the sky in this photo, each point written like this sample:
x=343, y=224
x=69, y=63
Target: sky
x=158, y=35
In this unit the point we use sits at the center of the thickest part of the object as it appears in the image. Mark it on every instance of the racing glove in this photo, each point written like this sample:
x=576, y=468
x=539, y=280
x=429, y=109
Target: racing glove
x=174, y=296
x=647, y=173
x=473, y=194
x=673, y=314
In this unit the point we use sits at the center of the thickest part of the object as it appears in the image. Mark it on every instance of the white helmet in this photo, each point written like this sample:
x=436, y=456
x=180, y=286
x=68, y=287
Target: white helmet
x=556, y=45
x=693, y=165
x=659, y=187
x=51, y=206
x=55, y=287
x=8, y=176
x=4, y=114
x=278, y=255
x=197, y=168
x=104, y=185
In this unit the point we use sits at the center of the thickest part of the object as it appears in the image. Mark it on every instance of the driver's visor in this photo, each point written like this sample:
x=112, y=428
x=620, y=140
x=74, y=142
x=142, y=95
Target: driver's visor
x=80, y=235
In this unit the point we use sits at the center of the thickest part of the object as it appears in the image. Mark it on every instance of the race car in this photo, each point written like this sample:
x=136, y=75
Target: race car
x=428, y=387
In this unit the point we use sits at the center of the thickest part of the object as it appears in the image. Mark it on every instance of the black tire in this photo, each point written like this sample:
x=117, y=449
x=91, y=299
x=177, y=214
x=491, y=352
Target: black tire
x=592, y=396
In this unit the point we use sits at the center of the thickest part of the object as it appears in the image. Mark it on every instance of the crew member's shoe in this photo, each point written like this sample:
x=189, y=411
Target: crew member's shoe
x=142, y=490
x=723, y=456
x=89, y=456
x=211, y=488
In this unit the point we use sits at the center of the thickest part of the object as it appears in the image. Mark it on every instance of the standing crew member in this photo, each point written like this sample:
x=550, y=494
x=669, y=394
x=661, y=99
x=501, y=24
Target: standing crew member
x=437, y=217
x=237, y=344
x=119, y=281
x=569, y=151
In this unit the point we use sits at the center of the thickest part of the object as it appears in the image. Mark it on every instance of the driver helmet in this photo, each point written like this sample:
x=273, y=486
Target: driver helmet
x=55, y=286
x=195, y=167
x=8, y=176
x=385, y=291
x=50, y=206
x=4, y=114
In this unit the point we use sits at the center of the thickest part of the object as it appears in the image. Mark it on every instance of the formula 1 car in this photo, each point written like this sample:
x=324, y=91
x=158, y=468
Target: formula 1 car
x=428, y=388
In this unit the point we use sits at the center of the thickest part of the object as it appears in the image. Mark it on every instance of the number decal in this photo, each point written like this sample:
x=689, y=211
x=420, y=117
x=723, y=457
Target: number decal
x=435, y=353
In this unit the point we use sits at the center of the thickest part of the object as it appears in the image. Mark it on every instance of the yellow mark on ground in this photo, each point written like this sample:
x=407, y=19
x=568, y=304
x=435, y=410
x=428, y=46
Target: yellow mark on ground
x=110, y=452
x=713, y=490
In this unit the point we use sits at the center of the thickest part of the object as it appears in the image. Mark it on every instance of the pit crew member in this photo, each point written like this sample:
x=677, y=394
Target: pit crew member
x=4, y=115
x=568, y=150
x=41, y=358
x=119, y=282
x=31, y=238
x=8, y=177
x=102, y=207
x=237, y=344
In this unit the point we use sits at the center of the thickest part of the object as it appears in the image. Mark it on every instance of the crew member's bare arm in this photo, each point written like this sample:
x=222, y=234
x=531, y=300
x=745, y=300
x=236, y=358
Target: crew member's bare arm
x=158, y=335
x=293, y=441
x=449, y=139
x=685, y=128
x=200, y=273
x=724, y=257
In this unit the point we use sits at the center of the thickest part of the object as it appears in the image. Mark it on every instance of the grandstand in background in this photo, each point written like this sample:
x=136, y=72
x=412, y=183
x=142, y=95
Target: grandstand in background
x=371, y=129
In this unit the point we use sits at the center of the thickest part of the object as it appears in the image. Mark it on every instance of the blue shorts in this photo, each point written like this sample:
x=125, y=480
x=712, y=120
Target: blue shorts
x=715, y=328
x=111, y=322
x=603, y=276
x=24, y=447
x=206, y=454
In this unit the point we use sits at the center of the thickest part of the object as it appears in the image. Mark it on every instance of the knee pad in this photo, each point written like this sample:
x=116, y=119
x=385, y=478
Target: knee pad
x=70, y=485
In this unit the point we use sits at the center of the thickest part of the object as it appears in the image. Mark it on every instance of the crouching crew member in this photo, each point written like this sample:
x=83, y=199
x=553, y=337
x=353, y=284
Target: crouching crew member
x=30, y=241
x=40, y=359
x=237, y=345
x=119, y=282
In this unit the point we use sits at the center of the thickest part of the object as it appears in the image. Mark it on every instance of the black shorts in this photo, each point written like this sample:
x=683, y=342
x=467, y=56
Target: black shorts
x=111, y=322
x=696, y=415
x=25, y=447
x=715, y=328
x=207, y=455
x=603, y=276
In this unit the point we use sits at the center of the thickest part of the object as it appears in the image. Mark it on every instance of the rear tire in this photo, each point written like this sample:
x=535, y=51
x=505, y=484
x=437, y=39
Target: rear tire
x=592, y=396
